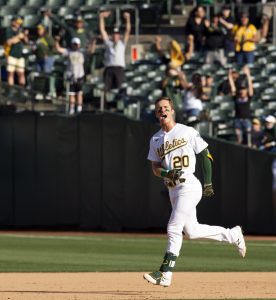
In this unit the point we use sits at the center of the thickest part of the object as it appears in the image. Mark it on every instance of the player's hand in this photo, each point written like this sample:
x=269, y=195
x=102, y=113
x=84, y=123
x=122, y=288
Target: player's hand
x=174, y=174
x=208, y=191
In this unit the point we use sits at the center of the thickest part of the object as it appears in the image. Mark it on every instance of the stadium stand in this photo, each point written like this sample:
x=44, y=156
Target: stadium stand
x=143, y=76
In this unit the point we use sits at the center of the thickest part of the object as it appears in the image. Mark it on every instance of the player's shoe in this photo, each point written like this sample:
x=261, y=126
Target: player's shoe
x=158, y=278
x=239, y=242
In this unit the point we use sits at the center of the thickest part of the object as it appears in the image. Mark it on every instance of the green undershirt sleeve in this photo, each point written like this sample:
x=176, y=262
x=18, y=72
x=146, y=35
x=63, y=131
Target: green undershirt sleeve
x=206, y=165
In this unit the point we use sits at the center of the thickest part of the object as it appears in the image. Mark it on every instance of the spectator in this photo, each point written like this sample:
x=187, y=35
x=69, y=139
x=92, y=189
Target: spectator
x=207, y=86
x=215, y=42
x=13, y=47
x=75, y=73
x=227, y=22
x=45, y=46
x=224, y=87
x=267, y=14
x=174, y=58
x=242, y=96
x=46, y=20
x=256, y=134
x=114, y=74
x=193, y=94
x=196, y=28
x=78, y=30
x=269, y=139
x=245, y=37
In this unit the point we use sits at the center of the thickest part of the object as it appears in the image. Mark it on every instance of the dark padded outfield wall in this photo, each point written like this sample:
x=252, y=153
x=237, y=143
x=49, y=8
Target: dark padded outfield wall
x=261, y=213
x=91, y=172
x=6, y=170
x=46, y=170
x=90, y=155
x=24, y=177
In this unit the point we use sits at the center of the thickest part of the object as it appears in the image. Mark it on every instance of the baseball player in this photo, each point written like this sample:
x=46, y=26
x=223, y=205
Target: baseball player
x=173, y=151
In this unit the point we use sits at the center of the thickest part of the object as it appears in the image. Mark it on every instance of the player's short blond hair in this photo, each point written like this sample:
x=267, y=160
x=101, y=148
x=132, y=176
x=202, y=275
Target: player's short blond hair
x=167, y=99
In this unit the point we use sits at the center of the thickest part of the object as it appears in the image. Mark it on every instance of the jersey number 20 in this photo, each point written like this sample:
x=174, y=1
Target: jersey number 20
x=181, y=161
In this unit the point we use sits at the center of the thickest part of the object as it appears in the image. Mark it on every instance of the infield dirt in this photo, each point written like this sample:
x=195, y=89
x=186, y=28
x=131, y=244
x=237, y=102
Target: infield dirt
x=103, y=286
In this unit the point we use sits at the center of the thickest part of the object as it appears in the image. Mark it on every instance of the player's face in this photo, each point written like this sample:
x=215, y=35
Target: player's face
x=164, y=112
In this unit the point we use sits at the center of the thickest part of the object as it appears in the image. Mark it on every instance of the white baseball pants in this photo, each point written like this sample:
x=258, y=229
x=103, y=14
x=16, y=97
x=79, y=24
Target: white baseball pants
x=184, y=199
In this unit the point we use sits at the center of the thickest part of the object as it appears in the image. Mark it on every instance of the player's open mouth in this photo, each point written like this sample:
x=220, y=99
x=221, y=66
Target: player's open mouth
x=163, y=117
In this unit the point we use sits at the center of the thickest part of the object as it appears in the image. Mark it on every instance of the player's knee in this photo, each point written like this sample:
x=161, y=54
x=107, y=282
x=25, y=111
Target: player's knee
x=190, y=233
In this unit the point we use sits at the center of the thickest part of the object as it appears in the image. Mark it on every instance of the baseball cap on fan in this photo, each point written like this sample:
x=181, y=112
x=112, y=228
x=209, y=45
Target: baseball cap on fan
x=270, y=119
x=256, y=121
x=116, y=30
x=76, y=41
x=17, y=19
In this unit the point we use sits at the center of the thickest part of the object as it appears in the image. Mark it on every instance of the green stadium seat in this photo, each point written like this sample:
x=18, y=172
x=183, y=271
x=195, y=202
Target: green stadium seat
x=94, y=3
x=204, y=128
x=16, y=3
x=92, y=20
x=271, y=105
x=40, y=86
x=219, y=115
x=255, y=105
x=66, y=11
x=35, y=3
x=154, y=95
x=8, y=11
x=75, y=3
x=6, y=22
x=27, y=10
x=228, y=105
x=55, y=3
x=117, y=2
x=223, y=99
x=132, y=111
x=146, y=88
x=31, y=21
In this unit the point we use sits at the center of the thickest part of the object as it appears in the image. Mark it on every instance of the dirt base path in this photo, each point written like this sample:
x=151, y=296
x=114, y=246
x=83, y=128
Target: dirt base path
x=102, y=286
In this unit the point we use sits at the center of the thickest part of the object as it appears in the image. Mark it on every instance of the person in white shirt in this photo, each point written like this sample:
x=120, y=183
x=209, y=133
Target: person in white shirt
x=114, y=52
x=173, y=153
x=75, y=73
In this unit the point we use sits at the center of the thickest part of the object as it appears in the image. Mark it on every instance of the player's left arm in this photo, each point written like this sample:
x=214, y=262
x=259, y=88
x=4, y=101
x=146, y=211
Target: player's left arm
x=206, y=165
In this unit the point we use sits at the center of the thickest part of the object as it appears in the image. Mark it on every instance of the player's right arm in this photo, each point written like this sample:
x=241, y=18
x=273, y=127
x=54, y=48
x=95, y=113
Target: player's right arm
x=159, y=171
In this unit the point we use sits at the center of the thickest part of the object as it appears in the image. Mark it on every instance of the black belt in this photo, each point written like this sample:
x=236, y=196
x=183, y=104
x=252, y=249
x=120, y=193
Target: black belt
x=172, y=184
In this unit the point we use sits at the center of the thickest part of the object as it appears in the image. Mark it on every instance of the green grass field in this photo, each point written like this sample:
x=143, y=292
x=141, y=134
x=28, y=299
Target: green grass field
x=99, y=253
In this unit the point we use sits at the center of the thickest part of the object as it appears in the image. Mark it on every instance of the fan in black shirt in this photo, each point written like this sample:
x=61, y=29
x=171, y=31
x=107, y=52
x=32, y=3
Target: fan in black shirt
x=241, y=97
x=196, y=27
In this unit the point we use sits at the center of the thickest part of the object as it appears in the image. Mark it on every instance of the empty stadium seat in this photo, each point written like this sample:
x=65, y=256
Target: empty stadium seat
x=55, y=3
x=75, y=3
x=16, y=3
x=8, y=11
x=35, y=3
x=31, y=21
x=65, y=11
x=27, y=10
x=94, y=3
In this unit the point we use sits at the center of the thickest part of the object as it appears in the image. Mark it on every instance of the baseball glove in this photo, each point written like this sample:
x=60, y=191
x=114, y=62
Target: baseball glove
x=208, y=191
x=174, y=174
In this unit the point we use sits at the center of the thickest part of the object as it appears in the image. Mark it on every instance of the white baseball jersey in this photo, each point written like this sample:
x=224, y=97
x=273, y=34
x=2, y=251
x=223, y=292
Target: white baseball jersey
x=176, y=149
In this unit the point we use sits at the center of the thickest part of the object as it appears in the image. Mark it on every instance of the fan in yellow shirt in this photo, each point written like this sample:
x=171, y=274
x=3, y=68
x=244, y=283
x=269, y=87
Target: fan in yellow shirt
x=245, y=37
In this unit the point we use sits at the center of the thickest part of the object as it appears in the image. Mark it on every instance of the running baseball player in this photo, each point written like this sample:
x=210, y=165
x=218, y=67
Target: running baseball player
x=173, y=151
